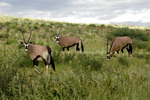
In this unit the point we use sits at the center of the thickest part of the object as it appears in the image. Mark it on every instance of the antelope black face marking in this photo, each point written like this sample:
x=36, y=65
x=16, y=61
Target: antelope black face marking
x=57, y=39
x=108, y=56
x=26, y=46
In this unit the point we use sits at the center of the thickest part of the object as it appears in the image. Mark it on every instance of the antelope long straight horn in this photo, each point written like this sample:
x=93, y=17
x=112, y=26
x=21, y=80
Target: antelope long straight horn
x=55, y=31
x=60, y=29
x=23, y=36
x=107, y=41
x=30, y=35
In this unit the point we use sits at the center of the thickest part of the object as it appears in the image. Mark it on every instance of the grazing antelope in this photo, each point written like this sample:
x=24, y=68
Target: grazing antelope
x=39, y=53
x=67, y=42
x=119, y=43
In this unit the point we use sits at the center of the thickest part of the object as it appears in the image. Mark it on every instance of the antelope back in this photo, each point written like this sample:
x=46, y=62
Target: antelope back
x=37, y=50
x=65, y=41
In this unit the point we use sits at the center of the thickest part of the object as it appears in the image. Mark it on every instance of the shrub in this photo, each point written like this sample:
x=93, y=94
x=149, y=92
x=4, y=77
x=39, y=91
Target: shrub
x=140, y=35
x=43, y=25
x=148, y=47
x=7, y=23
x=8, y=69
x=142, y=56
x=102, y=25
x=123, y=61
x=92, y=25
x=140, y=44
x=137, y=34
x=89, y=62
x=36, y=27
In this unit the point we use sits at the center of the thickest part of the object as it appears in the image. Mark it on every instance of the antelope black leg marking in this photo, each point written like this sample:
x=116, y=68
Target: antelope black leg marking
x=77, y=48
x=122, y=50
x=130, y=47
x=118, y=51
x=128, y=51
x=68, y=48
x=63, y=48
x=45, y=62
x=35, y=61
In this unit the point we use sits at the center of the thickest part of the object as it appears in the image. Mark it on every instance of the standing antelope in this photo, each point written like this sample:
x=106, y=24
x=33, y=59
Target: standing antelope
x=39, y=53
x=119, y=43
x=67, y=42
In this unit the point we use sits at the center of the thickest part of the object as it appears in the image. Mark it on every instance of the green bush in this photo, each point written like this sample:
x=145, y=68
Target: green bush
x=89, y=61
x=8, y=70
x=140, y=44
x=137, y=34
x=36, y=27
x=140, y=35
x=123, y=61
x=92, y=25
x=148, y=47
x=142, y=56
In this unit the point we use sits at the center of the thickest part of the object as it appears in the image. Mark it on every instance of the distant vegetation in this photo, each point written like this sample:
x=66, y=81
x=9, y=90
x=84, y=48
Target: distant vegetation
x=85, y=75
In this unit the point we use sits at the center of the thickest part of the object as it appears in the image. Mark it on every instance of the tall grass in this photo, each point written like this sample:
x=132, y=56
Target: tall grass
x=85, y=75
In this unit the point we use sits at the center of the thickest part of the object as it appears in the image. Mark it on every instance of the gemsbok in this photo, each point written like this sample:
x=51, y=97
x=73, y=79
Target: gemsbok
x=39, y=53
x=67, y=42
x=119, y=43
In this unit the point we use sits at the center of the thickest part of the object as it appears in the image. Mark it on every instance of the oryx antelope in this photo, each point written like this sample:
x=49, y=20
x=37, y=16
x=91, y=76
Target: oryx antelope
x=39, y=53
x=119, y=43
x=67, y=42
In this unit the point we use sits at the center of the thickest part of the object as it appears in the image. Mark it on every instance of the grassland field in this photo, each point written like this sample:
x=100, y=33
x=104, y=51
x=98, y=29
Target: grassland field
x=83, y=76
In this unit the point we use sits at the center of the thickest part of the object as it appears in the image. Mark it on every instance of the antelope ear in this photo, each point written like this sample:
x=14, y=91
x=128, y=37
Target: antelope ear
x=21, y=42
x=31, y=42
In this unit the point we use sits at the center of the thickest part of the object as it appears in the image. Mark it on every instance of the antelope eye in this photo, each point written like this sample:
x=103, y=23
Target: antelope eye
x=21, y=42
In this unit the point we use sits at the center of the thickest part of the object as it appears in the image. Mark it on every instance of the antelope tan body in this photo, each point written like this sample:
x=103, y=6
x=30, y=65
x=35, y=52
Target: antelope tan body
x=119, y=43
x=39, y=53
x=67, y=42
x=35, y=50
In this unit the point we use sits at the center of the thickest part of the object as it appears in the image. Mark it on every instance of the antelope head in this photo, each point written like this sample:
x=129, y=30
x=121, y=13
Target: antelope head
x=109, y=54
x=26, y=44
x=57, y=35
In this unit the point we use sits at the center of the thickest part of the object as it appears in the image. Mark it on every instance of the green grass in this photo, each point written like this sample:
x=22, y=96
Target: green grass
x=87, y=76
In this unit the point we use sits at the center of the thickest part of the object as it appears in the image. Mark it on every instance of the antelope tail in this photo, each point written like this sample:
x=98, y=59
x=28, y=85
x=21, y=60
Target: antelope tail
x=130, y=46
x=82, y=47
x=52, y=62
x=51, y=59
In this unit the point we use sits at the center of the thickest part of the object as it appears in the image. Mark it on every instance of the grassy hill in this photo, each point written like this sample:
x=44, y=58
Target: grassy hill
x=85, y=75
